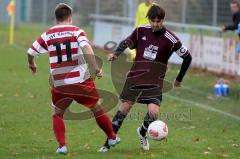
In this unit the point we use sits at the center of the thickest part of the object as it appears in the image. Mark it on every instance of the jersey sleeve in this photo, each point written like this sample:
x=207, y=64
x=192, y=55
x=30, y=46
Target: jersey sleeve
x=132, y=39
x=39, y=46
x=129, y=42
x=82, y=39
x=179, y=48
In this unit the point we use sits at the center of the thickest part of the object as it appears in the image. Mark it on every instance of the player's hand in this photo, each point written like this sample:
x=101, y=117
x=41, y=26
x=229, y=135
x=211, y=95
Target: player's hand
x=177, y=84
x=111, y=57
x=223, y=29
x=33, y=68
x=99, y=73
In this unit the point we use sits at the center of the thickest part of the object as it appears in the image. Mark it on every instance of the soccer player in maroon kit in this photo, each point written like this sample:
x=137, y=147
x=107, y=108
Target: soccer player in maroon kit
x=70, y=76
x=154, y=44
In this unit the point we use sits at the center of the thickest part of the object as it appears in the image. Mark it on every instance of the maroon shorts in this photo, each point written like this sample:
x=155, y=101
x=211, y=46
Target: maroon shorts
x=84, y=93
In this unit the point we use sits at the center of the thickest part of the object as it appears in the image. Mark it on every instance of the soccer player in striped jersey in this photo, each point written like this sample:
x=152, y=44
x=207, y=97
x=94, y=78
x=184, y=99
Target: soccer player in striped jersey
x=71, y=80
x=154, y=45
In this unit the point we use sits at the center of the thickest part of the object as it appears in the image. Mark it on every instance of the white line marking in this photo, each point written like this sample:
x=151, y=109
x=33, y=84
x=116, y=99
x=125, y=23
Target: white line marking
x=203, y=106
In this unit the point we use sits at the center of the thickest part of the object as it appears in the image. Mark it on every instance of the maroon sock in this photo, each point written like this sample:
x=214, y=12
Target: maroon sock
x=59, y=129
x=104, y=123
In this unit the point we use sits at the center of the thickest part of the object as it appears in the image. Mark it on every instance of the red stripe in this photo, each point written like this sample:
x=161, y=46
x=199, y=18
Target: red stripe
x=66, y=75
x=62, y=29
x=54, y=53
x=82, y=34
x=61, y=40
x=42, y=43
x=64, y=64
x=34, y=49
x=84, y=40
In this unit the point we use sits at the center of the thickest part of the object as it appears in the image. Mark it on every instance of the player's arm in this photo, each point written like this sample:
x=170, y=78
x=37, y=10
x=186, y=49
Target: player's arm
x=183, y=52
x=38, y=47
x=129, y=42
x=31, y=64
x=88, y=51
x=233, y=26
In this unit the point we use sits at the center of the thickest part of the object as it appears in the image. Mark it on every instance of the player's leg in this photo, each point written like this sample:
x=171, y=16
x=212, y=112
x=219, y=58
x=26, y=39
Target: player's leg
x=104, y=123
x=152, y=115
x=117, y=121
x=88, y=96
x=60, y=104
x=121, y=115
x=128, y=98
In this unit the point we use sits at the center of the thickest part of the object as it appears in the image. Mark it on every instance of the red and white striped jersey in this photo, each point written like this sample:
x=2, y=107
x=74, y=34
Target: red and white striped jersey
x=63, y=43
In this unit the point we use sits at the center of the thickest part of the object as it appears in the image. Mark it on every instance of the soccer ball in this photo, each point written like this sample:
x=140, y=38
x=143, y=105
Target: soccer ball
x=158, y=130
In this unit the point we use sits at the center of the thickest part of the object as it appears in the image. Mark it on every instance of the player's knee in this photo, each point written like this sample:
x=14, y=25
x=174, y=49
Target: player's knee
x=153, y=109
x=125, y=107
x=152, y=116
x=97, y=110
x=57, y=111
x=153, y=112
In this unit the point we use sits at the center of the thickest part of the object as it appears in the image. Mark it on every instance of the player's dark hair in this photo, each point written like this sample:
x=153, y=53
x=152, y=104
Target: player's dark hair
x=156, y=11
x=236, y=2
x=62, y=12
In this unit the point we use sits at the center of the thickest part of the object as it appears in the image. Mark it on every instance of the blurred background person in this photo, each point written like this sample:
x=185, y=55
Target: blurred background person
x=141, y=13
x=140, y=19
x=235, y=9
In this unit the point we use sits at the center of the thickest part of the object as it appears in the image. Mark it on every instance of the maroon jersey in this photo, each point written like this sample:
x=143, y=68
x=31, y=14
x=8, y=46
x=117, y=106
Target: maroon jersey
x=145, y=80
x=153, y=50
x=156, y=46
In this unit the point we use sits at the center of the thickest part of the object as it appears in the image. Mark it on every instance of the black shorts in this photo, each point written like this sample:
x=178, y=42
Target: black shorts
x=144, y=94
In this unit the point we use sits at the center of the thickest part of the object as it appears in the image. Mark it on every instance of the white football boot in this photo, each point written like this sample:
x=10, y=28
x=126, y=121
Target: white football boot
x=111, y=143
x=143, y=140
x=62, y=150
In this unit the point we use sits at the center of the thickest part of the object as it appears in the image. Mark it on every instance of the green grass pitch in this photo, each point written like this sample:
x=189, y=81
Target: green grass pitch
x=200, y=125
